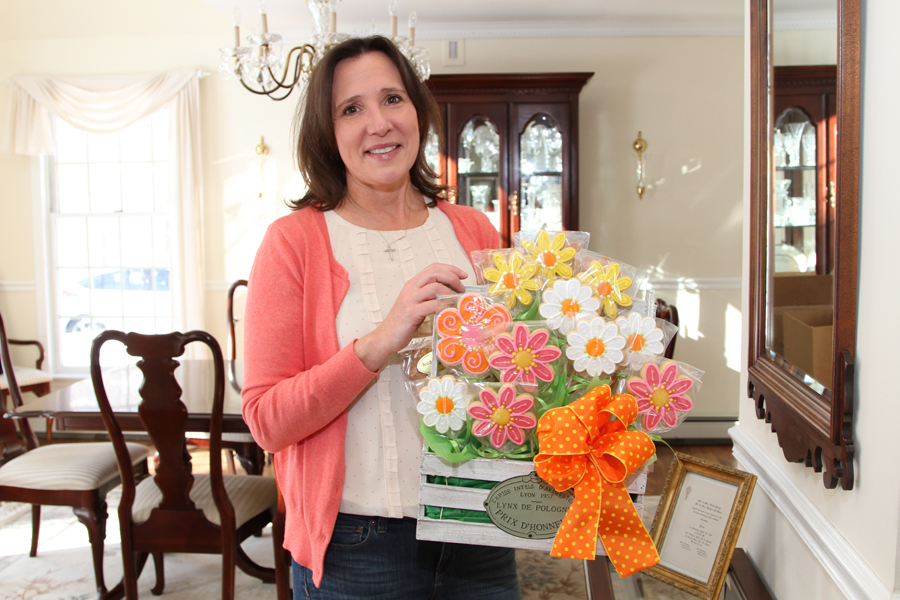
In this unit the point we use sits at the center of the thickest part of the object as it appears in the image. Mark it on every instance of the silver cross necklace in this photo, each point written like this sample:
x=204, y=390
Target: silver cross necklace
x=390, y=249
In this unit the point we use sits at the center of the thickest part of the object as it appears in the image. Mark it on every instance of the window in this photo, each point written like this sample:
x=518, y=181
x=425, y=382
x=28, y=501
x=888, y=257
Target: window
x=109, y=249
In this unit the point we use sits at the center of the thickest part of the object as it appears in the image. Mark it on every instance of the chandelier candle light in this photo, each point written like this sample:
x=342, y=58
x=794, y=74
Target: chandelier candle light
x=257, y=64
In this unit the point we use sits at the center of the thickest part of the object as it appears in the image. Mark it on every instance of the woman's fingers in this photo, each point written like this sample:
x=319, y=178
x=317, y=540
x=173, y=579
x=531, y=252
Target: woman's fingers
x=416, y=301
x=446, y=274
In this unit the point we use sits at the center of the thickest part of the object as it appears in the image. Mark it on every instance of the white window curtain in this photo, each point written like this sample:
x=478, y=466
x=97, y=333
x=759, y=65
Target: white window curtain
x=109, y=104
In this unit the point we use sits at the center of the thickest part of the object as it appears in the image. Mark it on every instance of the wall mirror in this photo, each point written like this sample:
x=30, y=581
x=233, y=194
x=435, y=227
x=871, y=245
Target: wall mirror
x=803, y=240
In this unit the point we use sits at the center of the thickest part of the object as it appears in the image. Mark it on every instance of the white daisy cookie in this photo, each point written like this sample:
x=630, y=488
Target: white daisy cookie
x=643, y=339
x=595, y=346
x=566, y=302
x=442, y=404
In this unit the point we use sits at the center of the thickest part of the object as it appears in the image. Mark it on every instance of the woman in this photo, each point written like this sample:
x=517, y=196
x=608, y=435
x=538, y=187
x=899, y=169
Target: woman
x=337, y=289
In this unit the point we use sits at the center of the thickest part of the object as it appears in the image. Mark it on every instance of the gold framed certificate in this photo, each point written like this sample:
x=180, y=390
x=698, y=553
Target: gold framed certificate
x=696, y=527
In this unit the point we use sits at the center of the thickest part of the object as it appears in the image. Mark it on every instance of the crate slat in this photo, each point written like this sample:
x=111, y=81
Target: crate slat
x=480, y=534
x=502, y=469
x=450, y=496
x=484, y=534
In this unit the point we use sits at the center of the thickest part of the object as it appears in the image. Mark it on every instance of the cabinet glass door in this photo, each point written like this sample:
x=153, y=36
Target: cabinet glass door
x=540, y=169
x=478, y=168
x=795, y=192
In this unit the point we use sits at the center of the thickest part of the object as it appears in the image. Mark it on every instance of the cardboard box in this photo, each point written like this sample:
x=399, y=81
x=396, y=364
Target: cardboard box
x=808, y=340
x=802, y=289
x=793, y=291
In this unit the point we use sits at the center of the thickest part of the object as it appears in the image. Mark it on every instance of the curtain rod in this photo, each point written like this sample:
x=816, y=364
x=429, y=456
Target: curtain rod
x=200, y=73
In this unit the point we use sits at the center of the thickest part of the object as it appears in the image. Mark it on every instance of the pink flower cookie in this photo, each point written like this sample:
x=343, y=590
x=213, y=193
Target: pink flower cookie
x=660, y=394
x=502, y=416
x=643, y=339
x=462, y=335
x=524, y=356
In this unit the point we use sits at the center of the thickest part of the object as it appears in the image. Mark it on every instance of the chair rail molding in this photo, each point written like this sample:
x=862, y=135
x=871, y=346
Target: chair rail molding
x=693, y=283
x=218, y=285
x=17, y=286
x=849, y=571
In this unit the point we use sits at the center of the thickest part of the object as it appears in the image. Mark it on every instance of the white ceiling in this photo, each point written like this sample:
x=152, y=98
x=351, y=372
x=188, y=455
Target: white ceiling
x=443, y=19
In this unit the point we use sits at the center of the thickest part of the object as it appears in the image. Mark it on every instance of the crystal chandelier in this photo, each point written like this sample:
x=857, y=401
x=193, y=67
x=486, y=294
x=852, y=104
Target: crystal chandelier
x=262, y=67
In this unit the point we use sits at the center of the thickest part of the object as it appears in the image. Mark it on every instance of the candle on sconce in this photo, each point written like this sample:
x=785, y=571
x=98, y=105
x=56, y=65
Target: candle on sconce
x=392, y=10
x=262, y=15
x=412, y=27
x=332, y=28
x=236, y=19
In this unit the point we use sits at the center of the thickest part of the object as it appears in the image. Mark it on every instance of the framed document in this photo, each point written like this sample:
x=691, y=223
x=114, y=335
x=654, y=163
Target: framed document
x=696, y=527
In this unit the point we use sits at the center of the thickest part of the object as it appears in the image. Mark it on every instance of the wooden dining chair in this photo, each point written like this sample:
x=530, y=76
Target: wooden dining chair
x=282, y=556
x=30, y=379
x=242, y=445
x=250, y=455
x=232, y=318
x=669, y=313
x=76, y=475
x=177, y=511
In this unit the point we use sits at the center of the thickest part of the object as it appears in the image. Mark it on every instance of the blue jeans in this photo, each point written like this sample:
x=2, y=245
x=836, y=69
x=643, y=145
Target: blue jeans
x=376, y=558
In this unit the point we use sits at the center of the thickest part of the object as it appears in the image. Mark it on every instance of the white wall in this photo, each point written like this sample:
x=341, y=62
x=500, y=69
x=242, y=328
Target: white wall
x=684, y=94
x=804, y=47
x=864, y=521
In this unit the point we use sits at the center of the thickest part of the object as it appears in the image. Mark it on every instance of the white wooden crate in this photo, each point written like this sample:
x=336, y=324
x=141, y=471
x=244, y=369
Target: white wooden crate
x=485, y=534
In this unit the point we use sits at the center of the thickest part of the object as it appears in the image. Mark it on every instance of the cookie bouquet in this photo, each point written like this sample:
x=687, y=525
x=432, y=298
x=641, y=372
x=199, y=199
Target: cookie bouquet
x=491, y=372
x=555, y=356
x=549, y=321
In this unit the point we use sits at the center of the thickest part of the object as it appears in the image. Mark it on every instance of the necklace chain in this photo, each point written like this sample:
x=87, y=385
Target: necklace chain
x=390, y=249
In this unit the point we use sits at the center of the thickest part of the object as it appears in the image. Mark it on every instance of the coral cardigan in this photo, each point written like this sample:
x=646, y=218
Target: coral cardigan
x=298, y=383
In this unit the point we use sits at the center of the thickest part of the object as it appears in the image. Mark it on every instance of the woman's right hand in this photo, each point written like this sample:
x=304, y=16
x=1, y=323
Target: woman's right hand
x=417, y=300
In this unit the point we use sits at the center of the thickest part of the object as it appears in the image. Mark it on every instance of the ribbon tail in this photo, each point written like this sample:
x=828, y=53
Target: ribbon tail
x=624, y=536
x=577, y=535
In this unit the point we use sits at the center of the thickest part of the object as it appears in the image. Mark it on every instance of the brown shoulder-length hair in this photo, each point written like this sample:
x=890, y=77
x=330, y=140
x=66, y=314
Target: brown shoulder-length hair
x=317, y=153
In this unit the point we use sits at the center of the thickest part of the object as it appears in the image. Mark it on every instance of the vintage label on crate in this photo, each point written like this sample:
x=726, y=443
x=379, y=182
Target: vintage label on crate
x=527, y=507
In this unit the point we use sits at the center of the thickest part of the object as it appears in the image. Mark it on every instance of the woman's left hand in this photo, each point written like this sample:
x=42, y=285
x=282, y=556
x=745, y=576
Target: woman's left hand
x=417, y=300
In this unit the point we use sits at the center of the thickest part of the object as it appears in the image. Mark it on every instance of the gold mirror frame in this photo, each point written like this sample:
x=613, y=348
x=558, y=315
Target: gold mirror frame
x=811, y=427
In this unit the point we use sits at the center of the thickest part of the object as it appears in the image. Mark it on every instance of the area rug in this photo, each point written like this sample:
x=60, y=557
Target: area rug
x=63, y=569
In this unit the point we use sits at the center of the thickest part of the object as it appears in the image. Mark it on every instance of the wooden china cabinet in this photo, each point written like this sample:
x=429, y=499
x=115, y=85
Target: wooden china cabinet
x=805, y=151
x=511, y=147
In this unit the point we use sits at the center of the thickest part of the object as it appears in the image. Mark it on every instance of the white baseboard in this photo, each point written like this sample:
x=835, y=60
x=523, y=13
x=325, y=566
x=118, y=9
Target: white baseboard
x=701, y=429
x=849, y=571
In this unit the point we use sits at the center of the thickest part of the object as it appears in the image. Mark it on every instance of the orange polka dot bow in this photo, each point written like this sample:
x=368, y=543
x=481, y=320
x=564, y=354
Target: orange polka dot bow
x=586, y=446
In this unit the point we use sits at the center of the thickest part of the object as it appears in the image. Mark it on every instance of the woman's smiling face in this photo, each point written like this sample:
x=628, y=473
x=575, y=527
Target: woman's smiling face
x=375, y=123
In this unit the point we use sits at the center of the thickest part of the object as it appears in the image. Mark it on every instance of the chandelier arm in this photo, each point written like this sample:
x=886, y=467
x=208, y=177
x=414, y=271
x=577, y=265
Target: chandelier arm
x=304, y=50
x=278, y=98
x=269, y=93
x=262, y=92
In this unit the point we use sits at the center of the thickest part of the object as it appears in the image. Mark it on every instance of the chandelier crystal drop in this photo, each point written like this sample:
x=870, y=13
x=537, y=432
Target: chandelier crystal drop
x=263, y=68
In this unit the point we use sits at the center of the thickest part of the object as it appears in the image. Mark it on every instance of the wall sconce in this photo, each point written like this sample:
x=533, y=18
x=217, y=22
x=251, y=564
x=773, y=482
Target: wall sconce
x=261, y=151
x=639, y=145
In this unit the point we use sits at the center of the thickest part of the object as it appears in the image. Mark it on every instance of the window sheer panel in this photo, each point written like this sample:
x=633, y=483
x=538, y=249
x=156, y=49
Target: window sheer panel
x=127, y=197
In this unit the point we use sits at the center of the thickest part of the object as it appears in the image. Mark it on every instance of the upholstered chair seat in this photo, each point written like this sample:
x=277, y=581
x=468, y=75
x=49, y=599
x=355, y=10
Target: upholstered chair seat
x=25, y=377
x=249, y=494
x=68, y=466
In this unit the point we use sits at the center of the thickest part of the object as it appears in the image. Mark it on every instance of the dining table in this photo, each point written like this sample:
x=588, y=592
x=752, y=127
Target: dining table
x=75, y=408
